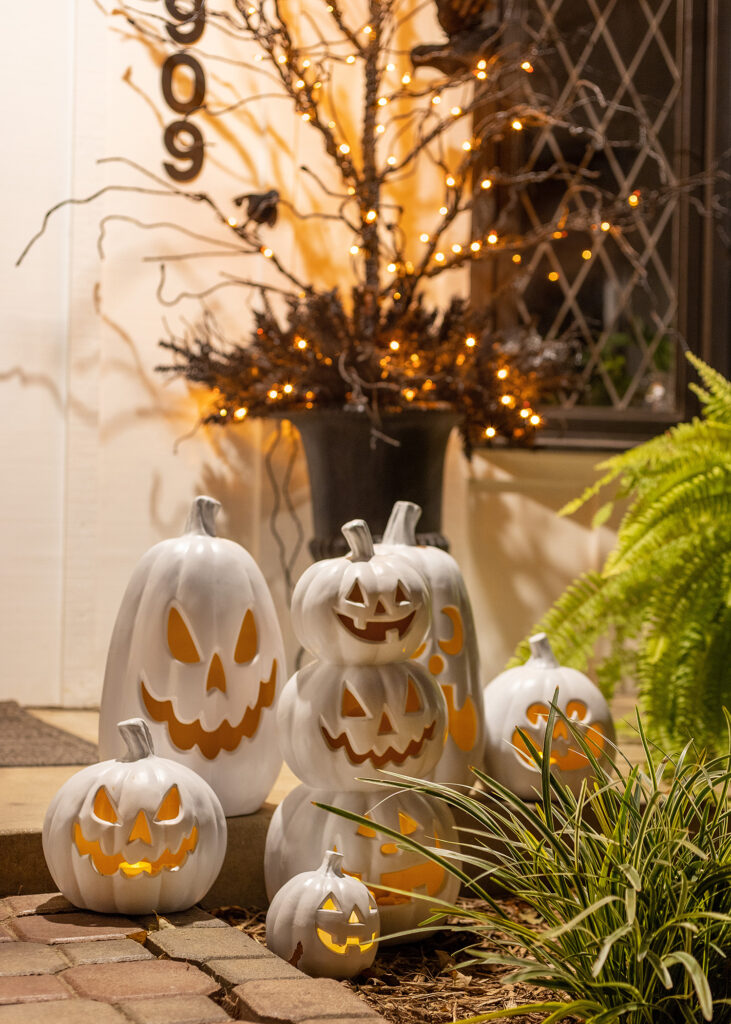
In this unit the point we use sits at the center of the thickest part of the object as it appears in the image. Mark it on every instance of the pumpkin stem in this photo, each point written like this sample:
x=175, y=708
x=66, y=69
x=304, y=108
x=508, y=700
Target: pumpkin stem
x=401, y=525
x=333, y=861
x=136, y=734
x=541, y=651
x=359, y=540
x=202, y=516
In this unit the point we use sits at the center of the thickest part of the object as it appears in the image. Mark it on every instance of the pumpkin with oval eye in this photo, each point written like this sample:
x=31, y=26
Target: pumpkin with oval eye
x=138, y=835
x=449, y=651
x=362, y=609
x=299, y=830
x=519, y=701
x=341, y=723
x=324, y=922
x=197, y=652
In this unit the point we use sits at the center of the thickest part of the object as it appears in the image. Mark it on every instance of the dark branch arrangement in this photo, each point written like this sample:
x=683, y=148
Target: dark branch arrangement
x=447, y=108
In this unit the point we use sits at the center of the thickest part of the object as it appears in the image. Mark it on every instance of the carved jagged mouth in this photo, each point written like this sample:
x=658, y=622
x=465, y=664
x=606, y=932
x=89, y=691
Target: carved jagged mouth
x=185, y=735
x=111, y=863
x=376, y=631
x=352, y=942
x=389, y=756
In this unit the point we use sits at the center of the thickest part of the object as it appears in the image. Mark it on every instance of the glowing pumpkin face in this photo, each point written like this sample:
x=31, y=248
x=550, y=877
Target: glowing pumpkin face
x=324, y=922
x=519, y=700
x=338, y=724
x=298, y=830
x=364, y=609
x=137, y=835
x=449, y=651
x=197, y=652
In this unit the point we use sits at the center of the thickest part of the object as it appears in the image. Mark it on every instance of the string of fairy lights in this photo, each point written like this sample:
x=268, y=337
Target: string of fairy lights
x=385, y=348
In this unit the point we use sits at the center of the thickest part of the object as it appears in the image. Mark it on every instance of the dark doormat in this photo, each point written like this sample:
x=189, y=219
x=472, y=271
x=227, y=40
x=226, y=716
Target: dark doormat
x=25, y=740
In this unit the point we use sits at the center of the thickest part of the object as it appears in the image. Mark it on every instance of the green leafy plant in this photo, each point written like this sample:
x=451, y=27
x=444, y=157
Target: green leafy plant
x=663, y=598
x=631, y=880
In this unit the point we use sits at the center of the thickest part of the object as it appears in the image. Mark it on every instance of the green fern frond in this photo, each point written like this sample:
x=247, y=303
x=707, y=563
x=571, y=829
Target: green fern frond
x=663, y=597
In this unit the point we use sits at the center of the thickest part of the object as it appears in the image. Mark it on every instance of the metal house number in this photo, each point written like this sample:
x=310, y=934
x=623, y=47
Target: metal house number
x=182, y=139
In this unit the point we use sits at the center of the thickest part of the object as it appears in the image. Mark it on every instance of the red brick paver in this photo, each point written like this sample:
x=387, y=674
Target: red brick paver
x=38, y=903
x=230, y=973
x=110, y=952
x=176, y=1010
x=295, y=1001
x=74, y=927
x=114, y=983
x=200, y=944
x=71, y=1011
x=32, y=988
x=30, y=958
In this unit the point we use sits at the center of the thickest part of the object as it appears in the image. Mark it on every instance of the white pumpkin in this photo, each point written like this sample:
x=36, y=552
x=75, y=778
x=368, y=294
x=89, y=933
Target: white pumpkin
x=342, y=723
x=298, y=832
x=324, y=922
x=362, y=609
x=197, y=652
x=450, y=650
x=137, y=835
x=520, y=699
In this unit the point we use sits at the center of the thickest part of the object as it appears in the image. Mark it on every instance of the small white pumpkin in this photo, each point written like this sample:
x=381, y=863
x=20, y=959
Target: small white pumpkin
x=450, y=650
x=197, y=652
x=362, y=609
x=298, y=832
x=520, y=699
x=342, y=723
x=324, y=922
x=137, y=835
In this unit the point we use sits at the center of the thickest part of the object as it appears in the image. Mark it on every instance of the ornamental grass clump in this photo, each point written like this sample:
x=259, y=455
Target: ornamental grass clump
x=631, y=880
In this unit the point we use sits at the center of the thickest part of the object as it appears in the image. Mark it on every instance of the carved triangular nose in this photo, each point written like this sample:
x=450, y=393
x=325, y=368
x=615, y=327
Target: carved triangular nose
x=141, y=830
x=384, y=726
x=216, y=676
x=560, y=732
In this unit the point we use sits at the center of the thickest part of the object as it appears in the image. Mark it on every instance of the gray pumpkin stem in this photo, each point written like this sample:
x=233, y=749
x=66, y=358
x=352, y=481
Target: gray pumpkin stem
x=202, y=516
x=137, y=736
x=401, y=525
x=333, y=861
x=359, y=540
x=541, y=652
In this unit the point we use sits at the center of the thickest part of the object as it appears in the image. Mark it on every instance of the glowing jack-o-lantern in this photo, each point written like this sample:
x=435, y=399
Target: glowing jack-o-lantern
x=299, y=831
x=324, y=922
x=450, y=650
x=518, y=701
x=362, y=609
x=197, y=652
x=341, y=723
x=135, y=835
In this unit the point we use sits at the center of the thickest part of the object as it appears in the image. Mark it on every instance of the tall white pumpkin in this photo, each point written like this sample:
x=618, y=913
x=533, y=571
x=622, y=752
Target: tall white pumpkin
x=519, y=701
x=197, y=653
x=450, y=650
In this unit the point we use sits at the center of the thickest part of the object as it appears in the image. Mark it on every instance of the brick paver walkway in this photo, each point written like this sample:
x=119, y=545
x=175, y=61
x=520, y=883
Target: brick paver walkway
x=60, y=965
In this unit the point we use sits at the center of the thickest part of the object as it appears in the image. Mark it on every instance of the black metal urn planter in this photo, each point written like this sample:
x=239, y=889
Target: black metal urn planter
x=358, y=472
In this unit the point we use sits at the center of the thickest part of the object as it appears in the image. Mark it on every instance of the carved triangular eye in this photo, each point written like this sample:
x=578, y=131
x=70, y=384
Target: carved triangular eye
x=248, y=641
x=169, y=809
x=104, y=808
x=355, y=916
x=352, y=708
x=406, y=824
x=413, y=701
x=330, y=903
x=180, y=642
x=356, y=595
x=401, y=597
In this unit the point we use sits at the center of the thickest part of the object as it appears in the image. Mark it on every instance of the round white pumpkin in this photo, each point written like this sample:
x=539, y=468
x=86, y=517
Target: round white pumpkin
x=324, y=922
x=197, y=652
x=449, y=651
x=520, y=699
x=137, y=835
x=342, y=723
x=299, y=831
x=362, y=609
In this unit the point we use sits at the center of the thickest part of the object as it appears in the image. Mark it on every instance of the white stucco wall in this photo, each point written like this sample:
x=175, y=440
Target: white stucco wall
x=91, y=470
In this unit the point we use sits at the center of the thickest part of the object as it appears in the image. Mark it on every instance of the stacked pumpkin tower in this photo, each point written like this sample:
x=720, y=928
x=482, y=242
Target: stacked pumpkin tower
x=361, y=708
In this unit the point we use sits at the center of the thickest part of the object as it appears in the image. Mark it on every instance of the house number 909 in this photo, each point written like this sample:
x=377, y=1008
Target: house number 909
x=183, y=139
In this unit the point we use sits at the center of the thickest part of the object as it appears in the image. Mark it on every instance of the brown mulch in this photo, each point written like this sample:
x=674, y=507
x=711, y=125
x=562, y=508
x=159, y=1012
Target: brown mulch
x=423, y=982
